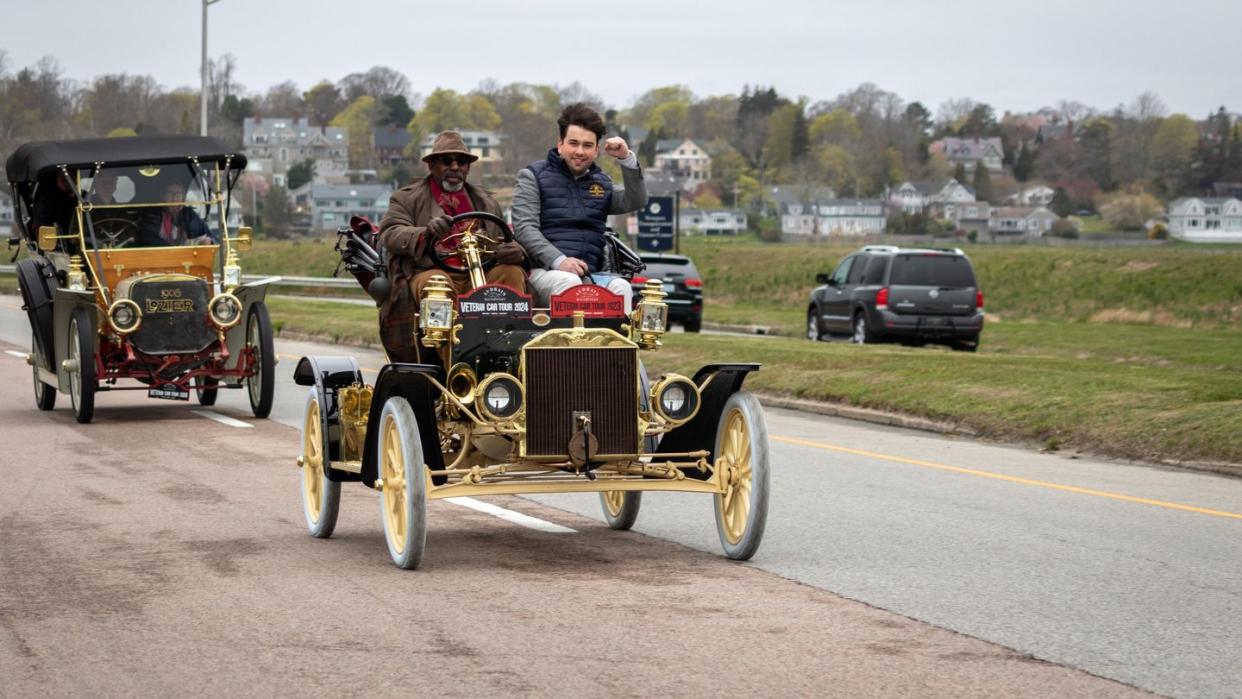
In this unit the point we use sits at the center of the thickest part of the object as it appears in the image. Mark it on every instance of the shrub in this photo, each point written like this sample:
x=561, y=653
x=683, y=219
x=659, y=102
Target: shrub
x=1158, y=231
x=1064, y=228
x=1130, y=209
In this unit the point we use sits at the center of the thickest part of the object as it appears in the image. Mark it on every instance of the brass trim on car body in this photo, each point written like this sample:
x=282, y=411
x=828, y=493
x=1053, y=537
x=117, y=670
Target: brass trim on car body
x=658, y=408
x=137, y=316
x=211, y=305
x=480, y=397
x=585, y=339
x=463, y=382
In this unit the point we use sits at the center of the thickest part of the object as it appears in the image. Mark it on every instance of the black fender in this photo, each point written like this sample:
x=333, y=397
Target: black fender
x=328, y=375
x=716, y=383
x=37, y=279
x=411, y=382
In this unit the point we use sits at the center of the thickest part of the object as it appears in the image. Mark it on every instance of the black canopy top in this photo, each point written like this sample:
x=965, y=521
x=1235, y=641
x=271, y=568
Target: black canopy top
x=34, y=160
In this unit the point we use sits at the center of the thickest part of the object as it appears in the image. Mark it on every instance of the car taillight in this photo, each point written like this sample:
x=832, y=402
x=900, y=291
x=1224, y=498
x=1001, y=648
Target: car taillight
x=638, y=280
x=694, y=283
x=979, y=299
x=881, y=299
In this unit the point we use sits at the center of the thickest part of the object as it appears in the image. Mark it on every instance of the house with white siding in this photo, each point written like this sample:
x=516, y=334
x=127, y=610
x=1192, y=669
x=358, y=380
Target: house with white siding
x=273, y=145
x=833, y=217
x=7, y=220
x=928, y=197
x=1032, y=222
x=684, y=158
x=1206, y=219
x=711, y=221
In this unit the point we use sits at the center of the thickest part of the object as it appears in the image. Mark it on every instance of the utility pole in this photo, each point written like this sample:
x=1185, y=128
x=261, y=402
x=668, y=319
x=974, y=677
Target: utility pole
x=202, y=95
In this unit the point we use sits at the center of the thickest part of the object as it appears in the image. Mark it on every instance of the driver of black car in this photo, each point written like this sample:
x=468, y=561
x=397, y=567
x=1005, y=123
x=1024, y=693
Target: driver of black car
x=418, y=226
x=175, y=223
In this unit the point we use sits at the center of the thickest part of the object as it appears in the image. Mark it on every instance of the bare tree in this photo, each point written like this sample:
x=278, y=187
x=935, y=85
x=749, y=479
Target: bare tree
x=283, y=100
x=378, y=82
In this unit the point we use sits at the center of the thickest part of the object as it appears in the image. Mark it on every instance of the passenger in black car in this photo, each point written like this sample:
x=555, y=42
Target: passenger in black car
x=174, y=224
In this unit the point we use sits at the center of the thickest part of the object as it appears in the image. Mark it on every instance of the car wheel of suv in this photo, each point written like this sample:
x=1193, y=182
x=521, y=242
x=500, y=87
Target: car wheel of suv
x=813, y=333
x=694, y=325
x=321, y=496
x=261, y=384
x=862, y=330
x=82, y=382
x=620, y=507
x=967, y=345
x=742, y=463
x=403, y=486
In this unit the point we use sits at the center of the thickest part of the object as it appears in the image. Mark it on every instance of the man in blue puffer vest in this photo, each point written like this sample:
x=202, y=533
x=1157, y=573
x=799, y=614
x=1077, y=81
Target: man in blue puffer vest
x=561, y=205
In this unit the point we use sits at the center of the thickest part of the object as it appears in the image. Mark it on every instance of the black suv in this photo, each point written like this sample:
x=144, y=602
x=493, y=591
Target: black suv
x=913, y=295
x=682, y=285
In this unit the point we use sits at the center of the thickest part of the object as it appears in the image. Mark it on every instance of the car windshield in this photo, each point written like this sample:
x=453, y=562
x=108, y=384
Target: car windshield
x=659, y=266
x=932, y=270
x=139, y=186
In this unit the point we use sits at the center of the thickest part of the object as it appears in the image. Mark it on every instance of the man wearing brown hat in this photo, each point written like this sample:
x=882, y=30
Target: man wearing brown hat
x=418, y=225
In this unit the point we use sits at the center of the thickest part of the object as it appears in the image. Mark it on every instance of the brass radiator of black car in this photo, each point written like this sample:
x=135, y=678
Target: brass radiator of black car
x=565, y=382
x=174, y=315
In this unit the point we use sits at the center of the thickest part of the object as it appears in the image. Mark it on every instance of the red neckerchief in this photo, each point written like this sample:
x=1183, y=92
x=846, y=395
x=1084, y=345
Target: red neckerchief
x=451, y=203
x=166, y=228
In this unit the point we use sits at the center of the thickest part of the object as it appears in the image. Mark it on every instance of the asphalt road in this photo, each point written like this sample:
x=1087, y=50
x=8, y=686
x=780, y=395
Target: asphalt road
x=123, y=555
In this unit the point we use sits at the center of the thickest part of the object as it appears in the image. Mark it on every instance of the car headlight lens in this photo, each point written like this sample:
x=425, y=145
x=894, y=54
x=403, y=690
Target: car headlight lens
x=225, y=311
x=675, y=398
x=500, y=396
x=125, y=316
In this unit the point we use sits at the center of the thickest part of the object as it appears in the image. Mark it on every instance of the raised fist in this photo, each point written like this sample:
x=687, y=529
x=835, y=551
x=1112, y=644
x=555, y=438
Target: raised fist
x=616, y=147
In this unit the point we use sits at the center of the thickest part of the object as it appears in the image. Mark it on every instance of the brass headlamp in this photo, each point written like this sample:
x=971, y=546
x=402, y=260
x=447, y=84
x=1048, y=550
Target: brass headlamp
x=436, y=312
x=650, y=317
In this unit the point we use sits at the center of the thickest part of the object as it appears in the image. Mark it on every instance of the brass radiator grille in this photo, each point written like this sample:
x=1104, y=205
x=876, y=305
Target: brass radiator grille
x=563, y=381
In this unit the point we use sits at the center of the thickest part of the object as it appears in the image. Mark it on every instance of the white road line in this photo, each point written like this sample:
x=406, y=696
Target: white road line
x=511, y=516
x=19, y=355
x=222, y=419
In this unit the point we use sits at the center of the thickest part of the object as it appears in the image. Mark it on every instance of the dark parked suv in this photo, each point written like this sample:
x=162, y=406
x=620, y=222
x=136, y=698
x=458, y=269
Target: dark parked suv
x=911, y=295
x=683, y=288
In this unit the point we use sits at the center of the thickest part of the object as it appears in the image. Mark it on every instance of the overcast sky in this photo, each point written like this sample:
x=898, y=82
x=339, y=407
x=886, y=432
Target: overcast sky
x=1013, y=56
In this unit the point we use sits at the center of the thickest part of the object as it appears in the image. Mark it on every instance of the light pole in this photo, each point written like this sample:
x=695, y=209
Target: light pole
x=202, y=96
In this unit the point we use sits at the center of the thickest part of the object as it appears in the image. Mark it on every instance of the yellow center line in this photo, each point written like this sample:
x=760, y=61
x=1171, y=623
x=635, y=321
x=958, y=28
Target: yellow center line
x=1010, y=479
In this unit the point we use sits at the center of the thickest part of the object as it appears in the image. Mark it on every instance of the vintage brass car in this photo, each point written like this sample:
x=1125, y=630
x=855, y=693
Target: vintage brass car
x=534, y=400
x=133, y=273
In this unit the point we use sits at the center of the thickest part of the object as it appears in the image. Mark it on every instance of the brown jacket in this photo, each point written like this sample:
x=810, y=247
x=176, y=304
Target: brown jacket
x=410, y=209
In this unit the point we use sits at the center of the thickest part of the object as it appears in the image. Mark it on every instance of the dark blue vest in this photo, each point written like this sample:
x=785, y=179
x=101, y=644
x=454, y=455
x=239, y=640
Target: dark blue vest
x=574, y=212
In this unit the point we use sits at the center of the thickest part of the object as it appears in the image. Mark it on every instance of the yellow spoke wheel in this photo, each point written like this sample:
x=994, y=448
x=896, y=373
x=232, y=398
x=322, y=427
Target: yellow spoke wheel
x=742, y=469
x=403, y=484
x=620, y=507
x=321, y=497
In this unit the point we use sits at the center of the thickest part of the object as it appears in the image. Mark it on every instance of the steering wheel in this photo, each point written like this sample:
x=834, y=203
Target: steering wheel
x=440, y=258
x=114, y=228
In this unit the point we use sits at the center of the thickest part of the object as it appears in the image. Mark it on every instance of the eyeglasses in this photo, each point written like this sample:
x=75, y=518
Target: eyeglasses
x=448, y=160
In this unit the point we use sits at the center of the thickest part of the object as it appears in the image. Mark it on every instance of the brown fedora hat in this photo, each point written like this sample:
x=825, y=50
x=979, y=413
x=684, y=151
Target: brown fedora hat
x=449, y=143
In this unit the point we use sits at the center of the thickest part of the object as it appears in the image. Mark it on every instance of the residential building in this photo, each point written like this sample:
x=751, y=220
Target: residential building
x=331, y=205
x=273, y=145
x=833, y=217
x=1206, y=219
x=802, y=197
x=919, y=197
x=970, y=151
x=390, y=143
x=969, y=216
x=684, y=158
x=712, y=221
x=1055, y=132
x=1032, y=222
x=1036, y=195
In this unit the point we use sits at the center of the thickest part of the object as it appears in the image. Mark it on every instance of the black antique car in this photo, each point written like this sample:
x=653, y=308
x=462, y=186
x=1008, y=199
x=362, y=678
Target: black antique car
x=526, y=399
x=126, y=284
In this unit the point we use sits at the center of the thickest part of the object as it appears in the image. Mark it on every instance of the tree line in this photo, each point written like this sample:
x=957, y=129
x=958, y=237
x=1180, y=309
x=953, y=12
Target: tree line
x=859, y=142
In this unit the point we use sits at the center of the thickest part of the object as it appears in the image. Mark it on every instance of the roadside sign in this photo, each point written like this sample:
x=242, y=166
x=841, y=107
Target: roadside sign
x=655, y=224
